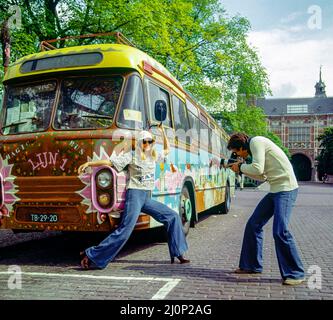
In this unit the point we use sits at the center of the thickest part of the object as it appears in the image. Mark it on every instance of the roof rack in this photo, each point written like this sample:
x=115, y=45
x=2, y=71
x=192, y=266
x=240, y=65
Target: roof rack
x=120, y=38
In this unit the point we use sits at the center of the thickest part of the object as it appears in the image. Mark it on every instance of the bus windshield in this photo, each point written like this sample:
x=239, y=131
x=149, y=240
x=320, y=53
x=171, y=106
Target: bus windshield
x=87, y=102
x=28, y=107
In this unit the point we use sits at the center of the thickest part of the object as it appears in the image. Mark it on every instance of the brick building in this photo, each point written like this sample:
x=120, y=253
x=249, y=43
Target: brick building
x=298, y=122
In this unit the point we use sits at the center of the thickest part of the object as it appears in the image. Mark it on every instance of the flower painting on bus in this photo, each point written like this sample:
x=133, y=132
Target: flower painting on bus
x=86, y=192
x=8, y=187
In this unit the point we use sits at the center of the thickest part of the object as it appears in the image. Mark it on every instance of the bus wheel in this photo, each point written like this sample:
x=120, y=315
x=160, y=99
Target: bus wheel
x=185, y=209
x=224, y=207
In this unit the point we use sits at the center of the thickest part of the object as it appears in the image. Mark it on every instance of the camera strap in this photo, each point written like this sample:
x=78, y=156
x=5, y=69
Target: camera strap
x=248, y=146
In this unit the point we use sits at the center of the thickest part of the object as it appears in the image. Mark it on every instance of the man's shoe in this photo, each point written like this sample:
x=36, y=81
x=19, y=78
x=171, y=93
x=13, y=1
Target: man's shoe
x=293, y=282
x=242, y=271
x=181, y=260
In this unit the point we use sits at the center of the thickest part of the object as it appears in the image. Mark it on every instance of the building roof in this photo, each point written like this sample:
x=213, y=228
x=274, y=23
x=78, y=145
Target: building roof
x=278, y=106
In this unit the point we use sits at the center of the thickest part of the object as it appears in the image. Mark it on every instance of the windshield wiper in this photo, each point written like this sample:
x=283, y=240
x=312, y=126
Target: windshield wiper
x=14, y=124
x=34, y=119
x=97, y=116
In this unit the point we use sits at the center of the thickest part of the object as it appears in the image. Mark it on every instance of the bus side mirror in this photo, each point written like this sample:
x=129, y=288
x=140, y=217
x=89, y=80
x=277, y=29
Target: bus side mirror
x=160, y=110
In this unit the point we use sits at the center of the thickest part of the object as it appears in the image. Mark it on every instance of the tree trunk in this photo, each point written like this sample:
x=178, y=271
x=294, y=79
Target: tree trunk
x=5, y=44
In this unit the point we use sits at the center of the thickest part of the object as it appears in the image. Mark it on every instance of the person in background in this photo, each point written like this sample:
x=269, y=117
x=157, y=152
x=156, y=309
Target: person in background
x=141, y=164
x=269, y=163
x=241, y=180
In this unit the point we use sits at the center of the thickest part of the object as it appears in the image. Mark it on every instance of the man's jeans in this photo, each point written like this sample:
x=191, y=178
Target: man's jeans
x=280, y=205
x=138, y=201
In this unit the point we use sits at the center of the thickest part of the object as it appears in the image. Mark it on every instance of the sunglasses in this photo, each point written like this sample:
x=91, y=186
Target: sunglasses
x=148, y=141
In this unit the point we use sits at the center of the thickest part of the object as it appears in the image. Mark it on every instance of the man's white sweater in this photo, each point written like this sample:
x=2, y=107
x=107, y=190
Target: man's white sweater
x=270, y=163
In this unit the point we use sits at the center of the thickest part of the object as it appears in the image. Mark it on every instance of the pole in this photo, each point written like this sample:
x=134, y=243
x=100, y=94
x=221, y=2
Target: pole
x=5, y=43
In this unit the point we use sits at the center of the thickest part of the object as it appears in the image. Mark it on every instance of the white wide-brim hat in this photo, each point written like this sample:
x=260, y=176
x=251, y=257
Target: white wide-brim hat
x=145, y=135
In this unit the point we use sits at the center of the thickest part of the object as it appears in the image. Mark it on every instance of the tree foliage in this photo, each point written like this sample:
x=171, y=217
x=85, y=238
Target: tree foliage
x=250, y=119
x=272, y=136
x=194, y=39
x=325, y=158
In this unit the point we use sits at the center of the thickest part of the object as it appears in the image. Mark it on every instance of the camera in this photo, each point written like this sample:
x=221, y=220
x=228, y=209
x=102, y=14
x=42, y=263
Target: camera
x=233, y=159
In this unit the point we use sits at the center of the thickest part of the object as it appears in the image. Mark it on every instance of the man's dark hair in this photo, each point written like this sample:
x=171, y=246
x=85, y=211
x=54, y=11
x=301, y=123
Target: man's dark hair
x=238, y=140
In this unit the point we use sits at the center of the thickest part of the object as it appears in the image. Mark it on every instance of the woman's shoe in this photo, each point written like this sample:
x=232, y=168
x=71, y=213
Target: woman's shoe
x=85, y=262
x=181, y=260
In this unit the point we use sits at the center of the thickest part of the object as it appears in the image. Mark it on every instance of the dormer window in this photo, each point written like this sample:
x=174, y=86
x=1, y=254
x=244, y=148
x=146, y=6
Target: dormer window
x=297, y=108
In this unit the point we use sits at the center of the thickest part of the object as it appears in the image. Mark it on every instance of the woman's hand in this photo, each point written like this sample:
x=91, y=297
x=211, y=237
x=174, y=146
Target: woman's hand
x=166, y=147
x=160, y=126
x=83, y=167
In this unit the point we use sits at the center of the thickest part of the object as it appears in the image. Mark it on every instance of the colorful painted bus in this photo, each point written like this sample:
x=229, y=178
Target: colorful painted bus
x=63, y=107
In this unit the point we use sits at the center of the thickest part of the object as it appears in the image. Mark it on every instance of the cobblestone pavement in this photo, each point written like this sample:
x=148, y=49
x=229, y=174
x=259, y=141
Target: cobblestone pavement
x=49, y=262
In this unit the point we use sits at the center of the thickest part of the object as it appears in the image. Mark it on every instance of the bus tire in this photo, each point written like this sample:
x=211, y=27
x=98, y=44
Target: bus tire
x=185, y=210
x=224, y=207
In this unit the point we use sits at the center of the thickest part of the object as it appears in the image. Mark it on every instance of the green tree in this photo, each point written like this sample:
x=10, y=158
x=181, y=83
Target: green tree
x=194, y=39
x=277, y=141
x=325, y=158
x=250, y=119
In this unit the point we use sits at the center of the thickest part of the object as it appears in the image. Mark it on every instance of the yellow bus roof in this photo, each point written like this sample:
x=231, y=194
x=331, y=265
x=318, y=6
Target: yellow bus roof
x=114, y=56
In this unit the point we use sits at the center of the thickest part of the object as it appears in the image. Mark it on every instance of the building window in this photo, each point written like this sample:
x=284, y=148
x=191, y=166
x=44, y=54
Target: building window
x=296, y=122
x=297, y=108
x=275, y=129
x=299, y=134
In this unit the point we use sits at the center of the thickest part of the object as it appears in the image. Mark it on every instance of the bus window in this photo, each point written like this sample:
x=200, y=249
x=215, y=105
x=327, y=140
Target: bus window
x=224, y=146
x=180, y=117
x=216, y=143
x=204, y=119
x=156, y=93
x=194, y=126
x=204, y=135
x=210, y=133
x=193, y=120
x=28, y=108
x=132, y=113
x=88, y=102
x=205, y=132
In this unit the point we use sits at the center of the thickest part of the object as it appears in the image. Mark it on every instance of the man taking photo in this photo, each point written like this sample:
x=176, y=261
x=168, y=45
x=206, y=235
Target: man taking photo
x=269, y=163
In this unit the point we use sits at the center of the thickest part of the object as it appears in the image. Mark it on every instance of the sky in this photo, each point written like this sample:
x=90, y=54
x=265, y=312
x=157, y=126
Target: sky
x=293, y=38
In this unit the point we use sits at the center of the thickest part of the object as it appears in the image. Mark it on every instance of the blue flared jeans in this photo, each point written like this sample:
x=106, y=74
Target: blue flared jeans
x=138, y=201
x=279, y=205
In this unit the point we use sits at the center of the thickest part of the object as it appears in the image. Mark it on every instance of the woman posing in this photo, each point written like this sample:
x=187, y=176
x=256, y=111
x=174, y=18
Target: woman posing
x=141, y=164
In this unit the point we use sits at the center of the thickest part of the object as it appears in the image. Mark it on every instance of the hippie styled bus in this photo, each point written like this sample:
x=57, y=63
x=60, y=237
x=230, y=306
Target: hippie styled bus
x=63, y=107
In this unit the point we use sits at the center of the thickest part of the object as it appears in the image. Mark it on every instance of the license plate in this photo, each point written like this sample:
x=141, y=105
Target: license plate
x=40, y=217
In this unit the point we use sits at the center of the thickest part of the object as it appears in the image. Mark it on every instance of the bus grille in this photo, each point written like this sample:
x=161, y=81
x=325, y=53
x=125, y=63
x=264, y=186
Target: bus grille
x=56, y=190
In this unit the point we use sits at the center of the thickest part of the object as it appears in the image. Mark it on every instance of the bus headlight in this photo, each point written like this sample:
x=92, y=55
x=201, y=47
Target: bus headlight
x=104, y=179
x=104, y=199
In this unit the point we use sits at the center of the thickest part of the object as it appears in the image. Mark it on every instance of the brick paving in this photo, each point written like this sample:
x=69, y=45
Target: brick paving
x=214, y=244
